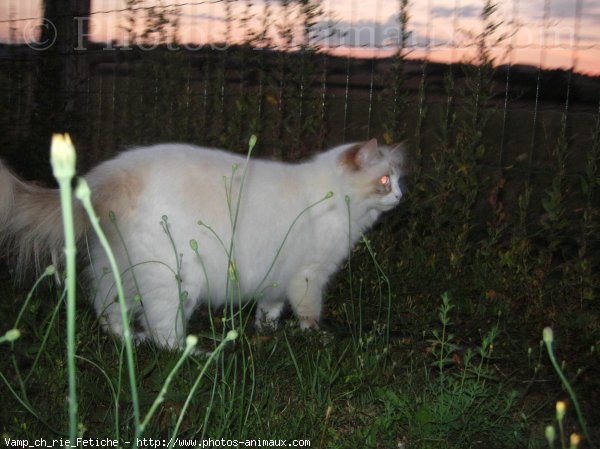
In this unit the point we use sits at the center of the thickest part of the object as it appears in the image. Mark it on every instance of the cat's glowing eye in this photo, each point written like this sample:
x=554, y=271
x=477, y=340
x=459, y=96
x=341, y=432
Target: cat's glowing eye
x=385, y=183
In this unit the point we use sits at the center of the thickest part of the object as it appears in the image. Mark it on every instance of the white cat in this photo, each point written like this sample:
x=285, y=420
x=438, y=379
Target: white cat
x=188, y=185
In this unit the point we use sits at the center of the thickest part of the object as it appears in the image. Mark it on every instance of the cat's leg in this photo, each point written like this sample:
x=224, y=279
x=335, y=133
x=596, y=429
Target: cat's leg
x=164, y=317
x=164, y=314
x=268, y=313
x=305, y=294
x=107, y=305
x=109, y=314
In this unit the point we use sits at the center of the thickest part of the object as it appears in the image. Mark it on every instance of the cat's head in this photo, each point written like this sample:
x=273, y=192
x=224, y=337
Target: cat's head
x=374, y=173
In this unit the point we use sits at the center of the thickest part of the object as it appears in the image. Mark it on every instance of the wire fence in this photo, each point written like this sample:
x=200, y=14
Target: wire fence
x=302, y=75
x=504, y=148
x=255, y=65
x=284, y=70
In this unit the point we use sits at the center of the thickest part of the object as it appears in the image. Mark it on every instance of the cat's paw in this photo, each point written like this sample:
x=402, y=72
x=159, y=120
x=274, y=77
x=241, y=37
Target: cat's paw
x=141, y=337
x=200, y=353
x=308, y=323
x=266, y=324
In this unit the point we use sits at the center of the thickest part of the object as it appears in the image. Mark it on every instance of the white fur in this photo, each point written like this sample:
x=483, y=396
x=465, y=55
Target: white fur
x=187, y=184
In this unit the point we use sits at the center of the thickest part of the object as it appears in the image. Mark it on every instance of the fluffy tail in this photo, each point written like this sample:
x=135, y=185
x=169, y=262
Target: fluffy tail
x=31, y=229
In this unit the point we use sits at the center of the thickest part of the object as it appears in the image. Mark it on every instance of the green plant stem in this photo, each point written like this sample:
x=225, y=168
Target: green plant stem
x=112, y=390
x=327, y=196
x=386, y=279
x=294, y=361
x=230, y=337
x=233, y=216
x=41, y=351
x=350, y=277
x=83, y=193
x=163, y=391
x=27, y=406
x=181, y=295
x=548, y=340
x=48, y=272
x=561, y=432
x=66, y=200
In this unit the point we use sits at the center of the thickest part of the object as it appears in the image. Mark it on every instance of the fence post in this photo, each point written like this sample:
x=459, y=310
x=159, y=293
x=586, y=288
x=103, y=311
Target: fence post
x=62, y=72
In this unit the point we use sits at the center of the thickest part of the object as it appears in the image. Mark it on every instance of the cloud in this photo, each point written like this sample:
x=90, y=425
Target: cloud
x=376, y=34
x=463, y=11
x=202, y=17
x=361, y=33
x=564, y=9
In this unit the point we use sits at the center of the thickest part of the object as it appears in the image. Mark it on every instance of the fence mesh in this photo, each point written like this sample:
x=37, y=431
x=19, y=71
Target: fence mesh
x=487, y=133
x=213, y=72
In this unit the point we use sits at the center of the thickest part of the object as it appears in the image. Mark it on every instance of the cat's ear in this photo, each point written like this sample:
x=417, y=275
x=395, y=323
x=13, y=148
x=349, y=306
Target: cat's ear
x=398, y=148
x=398, y=157
x=369, y=152
x=360, y=155
x=398, y=152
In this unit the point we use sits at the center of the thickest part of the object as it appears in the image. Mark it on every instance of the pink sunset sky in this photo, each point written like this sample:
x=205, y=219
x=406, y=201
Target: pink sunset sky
x=550, y=33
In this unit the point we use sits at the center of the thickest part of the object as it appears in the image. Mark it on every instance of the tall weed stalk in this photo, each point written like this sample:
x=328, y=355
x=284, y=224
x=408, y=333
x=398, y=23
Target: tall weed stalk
x=62, y=158
x=84, y=195
x=548, y=339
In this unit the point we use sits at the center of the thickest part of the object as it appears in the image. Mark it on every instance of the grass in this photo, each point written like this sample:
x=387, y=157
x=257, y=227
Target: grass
x=374, y=379
x=334, y=391
x=396, y=367
x=433, y=328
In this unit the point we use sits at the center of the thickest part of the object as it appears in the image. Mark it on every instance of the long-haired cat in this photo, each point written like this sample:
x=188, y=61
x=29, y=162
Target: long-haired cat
x=198, y=191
